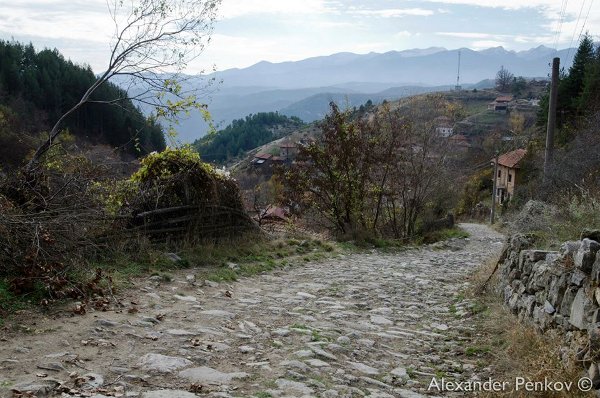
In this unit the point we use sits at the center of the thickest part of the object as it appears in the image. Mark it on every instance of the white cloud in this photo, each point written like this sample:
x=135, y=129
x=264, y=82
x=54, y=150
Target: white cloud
x=238, y=8
x=395, y=12
x=404, y=34
x=483, y=44
x=551, y=10
x=468, y=35
x=55, y=19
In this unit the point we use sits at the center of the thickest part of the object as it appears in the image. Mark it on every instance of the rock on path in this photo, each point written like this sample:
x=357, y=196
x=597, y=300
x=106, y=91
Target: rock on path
x=378, y=325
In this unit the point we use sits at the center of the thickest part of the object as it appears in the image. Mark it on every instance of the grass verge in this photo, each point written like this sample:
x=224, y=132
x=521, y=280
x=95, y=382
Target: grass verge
x=515, y=349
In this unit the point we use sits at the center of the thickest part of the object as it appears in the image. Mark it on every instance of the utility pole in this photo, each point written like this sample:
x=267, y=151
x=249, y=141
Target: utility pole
x=495, y=187
x=551, y=118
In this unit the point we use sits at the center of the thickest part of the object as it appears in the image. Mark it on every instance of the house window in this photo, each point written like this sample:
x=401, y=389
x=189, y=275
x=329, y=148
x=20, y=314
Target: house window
x=509, y=177
x=499, y=173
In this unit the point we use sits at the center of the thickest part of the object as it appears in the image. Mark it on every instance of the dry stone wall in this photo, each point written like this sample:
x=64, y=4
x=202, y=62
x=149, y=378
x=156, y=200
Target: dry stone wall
x=558, y=290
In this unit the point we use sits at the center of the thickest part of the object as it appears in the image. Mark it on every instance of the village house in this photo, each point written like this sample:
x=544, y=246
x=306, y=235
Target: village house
x=261, y=159
x=507, y=174
x=459, y=143
x=288, y=151
x=500, y=104
x=444, y=126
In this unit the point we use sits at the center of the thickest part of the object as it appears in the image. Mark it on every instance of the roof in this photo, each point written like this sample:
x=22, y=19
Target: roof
x=277, y=159
x=512, y=159
x=276, y=213
x=287, y=145
x=504, y=98
x=263, y=156
x=458, y=138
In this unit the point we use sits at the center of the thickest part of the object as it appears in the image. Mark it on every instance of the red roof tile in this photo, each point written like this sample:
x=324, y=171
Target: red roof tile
x=512, y=159
x=263, y=156
x=504, y=98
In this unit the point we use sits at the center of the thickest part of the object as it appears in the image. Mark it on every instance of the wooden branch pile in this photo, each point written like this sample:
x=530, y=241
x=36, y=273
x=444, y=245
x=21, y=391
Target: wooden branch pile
x=192, y=222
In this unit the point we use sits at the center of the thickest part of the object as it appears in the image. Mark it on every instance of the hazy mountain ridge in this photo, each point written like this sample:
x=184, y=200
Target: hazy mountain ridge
x=302, y=87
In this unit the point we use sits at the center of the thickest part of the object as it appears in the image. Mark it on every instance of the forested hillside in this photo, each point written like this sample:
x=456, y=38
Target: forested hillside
x=36, y=88
x=245, y=134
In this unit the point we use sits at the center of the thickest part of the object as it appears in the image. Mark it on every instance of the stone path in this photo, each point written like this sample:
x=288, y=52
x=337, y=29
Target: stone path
x=376, y=325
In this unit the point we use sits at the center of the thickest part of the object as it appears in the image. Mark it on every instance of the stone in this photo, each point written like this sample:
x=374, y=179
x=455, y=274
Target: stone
x=586, y=254
x=94, y=380
x=180, y=332
x=322, y=353
x=306, y=295
x=39, y=388
x=233, y=266
x=211, y=283
x=549, y=308
x=343, y=340
x=304, y=354
x=282, y=332
x=380, y=320
x=365, y=369
x=568, y=249
x=168, y=394
x=244, y=349
x=317, y=363
x=579, y=310
x=594, y=375
x=596, y=268
x=592, y=234
x=53, y=366
x=400, y=372
x=206, y=375
x=162, y=363
x=173, y=257
x=189, y=299
x=106, y=323
x=289, y=386
x=218, y=313
x=578, y=278
x=190, y=278
x=440, y=326
x=293, y=364
x=567, y=301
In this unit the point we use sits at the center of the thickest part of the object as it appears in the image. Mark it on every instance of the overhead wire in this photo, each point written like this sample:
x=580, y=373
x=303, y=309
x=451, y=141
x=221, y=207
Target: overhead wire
x=563, y=9
x=575, y=30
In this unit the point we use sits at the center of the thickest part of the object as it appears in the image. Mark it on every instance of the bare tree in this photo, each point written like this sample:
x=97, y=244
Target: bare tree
x=504, y=79
x=375, y=174
x=153, y=42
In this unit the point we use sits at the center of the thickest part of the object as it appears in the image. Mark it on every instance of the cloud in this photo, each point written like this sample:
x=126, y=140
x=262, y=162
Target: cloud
x=483, y=44
x=54, y=19
x=238, y=8
x=405, y=33
x=395, y=12
x=469, y=35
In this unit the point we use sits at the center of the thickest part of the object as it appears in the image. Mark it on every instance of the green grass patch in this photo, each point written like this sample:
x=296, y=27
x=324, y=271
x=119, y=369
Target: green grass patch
x=444, y=234
x=477, y=351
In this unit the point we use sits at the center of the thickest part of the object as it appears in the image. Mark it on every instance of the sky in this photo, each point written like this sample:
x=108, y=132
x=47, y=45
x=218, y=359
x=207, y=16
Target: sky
x=249, y=31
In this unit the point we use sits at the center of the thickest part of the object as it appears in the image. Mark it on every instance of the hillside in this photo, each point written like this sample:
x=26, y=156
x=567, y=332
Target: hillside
x=36, y=88
x=245, y=134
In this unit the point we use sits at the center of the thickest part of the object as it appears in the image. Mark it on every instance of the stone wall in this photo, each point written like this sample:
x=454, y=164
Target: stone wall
x=557, y=290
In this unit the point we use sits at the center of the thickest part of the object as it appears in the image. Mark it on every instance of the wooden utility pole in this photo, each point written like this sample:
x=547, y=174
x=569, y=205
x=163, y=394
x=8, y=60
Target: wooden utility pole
x=495, y=187
x=551, y=118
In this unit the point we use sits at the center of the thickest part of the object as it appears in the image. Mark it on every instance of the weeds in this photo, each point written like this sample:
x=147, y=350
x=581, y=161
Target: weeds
x=515, y=349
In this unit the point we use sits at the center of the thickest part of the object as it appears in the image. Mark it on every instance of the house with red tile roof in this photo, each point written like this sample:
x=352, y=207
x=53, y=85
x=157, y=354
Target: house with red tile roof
x=507, y=174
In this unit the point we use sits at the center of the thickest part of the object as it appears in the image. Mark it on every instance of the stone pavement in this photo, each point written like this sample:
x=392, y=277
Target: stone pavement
x=377, y=325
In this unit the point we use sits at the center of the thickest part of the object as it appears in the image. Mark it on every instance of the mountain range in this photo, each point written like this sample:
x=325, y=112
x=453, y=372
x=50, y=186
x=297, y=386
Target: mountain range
x=304, y=88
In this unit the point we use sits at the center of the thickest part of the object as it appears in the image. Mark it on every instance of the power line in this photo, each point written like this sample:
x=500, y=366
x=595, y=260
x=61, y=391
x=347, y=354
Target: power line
x=584, y=22
x=563, y=8
x=575, y=29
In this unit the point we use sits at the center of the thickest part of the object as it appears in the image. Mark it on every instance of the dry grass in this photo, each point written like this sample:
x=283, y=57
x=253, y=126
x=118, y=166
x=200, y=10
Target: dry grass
x=517, y=349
